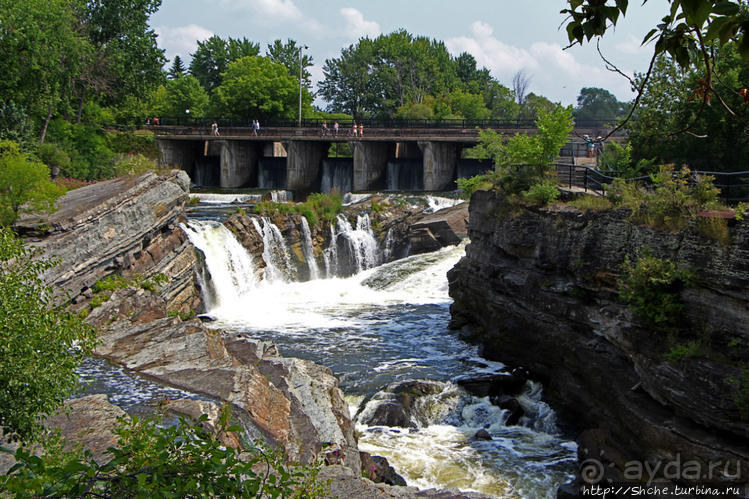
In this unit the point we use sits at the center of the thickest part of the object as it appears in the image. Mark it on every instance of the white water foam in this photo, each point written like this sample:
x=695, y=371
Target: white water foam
x=309, y=251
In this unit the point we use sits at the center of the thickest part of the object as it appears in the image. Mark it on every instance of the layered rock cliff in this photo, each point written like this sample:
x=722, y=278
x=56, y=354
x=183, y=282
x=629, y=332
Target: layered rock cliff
x=538, y=288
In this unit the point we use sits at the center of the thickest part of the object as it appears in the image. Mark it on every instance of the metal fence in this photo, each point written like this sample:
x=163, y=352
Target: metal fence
x=734, y=186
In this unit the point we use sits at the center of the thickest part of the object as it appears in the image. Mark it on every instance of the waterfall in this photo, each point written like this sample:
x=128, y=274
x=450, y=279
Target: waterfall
x=337, y=174
x=230, y=271
x=275, y=253
x=387, y=252
x=352, y=250
x=309, y=250
x=330, y=255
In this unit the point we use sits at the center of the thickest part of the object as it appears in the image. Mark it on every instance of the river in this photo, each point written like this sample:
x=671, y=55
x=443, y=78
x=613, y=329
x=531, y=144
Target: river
x=388, y=323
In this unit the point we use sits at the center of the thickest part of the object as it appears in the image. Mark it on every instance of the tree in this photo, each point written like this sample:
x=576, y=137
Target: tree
x=43, y=53
x=534, y=104
x=598, y=104
x=467, y=105
x=717, y=140
x=178, y=68
x=40, y=344
x=688, y=33
x=287, y=54
x=212, y=57
x=24, y=184
x=182, y=94
x=258, y=88
x=126, y=59
x=520, y=83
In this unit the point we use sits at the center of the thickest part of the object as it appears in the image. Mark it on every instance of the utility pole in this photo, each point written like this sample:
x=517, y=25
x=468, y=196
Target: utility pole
x=300, y=84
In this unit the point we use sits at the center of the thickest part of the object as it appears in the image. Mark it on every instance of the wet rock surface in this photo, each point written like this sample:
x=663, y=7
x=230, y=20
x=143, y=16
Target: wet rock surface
x=394, y=405
x=538, y=288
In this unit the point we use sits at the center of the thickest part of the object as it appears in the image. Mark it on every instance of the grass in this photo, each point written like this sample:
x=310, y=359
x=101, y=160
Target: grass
x=317, y=208
x=589, y=202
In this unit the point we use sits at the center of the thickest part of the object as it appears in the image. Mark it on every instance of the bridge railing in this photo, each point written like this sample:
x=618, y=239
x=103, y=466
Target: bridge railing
x=734, y=186
x=370, y=123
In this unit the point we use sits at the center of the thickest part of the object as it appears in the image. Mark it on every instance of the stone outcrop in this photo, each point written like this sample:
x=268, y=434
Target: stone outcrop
x=394, y=405
x=292, y=402
x=538, y=288
x=437, y=230
x=88, y=420
x=126, y=226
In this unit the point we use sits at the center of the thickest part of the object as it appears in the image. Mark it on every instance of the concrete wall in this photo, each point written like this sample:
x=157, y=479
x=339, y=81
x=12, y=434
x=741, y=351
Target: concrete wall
x=303, y=162
x=239, y=163
x=370, y=164
x=179, y=154
x=440, y=164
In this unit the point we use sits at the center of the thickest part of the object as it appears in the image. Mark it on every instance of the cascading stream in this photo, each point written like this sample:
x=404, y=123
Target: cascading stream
x=387, y=324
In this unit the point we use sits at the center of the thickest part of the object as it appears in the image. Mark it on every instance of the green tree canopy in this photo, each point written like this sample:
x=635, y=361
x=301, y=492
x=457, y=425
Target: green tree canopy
x=24, y=184
x=598, y=104
x=181, y=94
x=258, y=88
x=212, y=57
x=177, y=69
x=40, y=344
x=288, y=55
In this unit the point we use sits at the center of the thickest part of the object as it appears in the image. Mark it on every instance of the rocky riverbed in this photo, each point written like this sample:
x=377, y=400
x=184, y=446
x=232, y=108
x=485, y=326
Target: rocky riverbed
x=131, y=228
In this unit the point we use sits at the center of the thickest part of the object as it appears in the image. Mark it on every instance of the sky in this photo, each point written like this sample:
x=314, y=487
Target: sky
x=505, y=36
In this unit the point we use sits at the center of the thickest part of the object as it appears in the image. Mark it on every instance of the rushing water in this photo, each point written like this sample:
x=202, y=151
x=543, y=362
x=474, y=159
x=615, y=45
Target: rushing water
x=383, y=324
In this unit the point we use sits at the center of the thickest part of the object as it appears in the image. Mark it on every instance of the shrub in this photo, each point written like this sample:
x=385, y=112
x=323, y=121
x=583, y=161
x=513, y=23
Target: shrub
x=470, y=185
x=55, y=158
x=136, y=164
x=542, y=193
x=682, y=351
x=651, y=287
x=184, y=460
x=41, y=344
x=134, y=144
x=588, y=202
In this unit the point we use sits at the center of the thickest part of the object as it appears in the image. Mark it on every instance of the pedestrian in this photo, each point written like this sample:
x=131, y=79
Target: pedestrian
x=335, y=128
x=156, y=121
x=599, y=145
x=361, y=129
x=324, y=130
x=590, y=145
x=254, y=127
x=214, y=128
x=353, y=129
x=257, y=127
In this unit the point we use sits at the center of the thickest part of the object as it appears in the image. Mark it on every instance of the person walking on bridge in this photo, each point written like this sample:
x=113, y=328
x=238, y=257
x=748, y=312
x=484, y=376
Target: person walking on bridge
x=361, y=129
x=335, y=128
x=214, y=129
x=353, y=129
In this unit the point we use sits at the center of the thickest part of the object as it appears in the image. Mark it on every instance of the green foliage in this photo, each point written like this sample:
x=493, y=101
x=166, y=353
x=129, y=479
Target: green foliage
x=675, y=200
x=113, y=282
x=681, y=351
x=185, y=460
x=651, y=287
x=589, y=202
x=477, y=183
x=287, y=54
x=318, y=207
x=134, y=165
x=177, y=68
x=87, y=147
x=41, y=344
x=133, y=143
x=24, y=184
x=55, y=158
x=598, y=104
x=182, y=94
x=258, y=88
x=542, y=193
x=213, y=56
x=15, y=123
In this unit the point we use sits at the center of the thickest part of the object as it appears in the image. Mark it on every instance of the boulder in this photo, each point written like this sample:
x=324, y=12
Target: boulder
x=393, y=406
x=492, y=385
x=445, y=227
x=88, y=420
x=482, y=435
x=378, y=469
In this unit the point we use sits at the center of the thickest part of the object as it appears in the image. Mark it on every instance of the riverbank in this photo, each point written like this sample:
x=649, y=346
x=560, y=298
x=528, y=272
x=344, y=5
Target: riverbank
x=538, y=288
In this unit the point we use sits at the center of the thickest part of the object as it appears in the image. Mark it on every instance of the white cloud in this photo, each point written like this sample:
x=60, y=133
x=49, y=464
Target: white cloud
x=356, y=26
x=555, y=73
x=182, y=40
x=633, y=46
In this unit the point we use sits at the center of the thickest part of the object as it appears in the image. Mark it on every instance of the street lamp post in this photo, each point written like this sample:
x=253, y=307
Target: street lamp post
x=300, y=84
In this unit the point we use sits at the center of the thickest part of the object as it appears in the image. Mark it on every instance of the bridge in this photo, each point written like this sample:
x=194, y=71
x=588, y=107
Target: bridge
x=393, y=155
